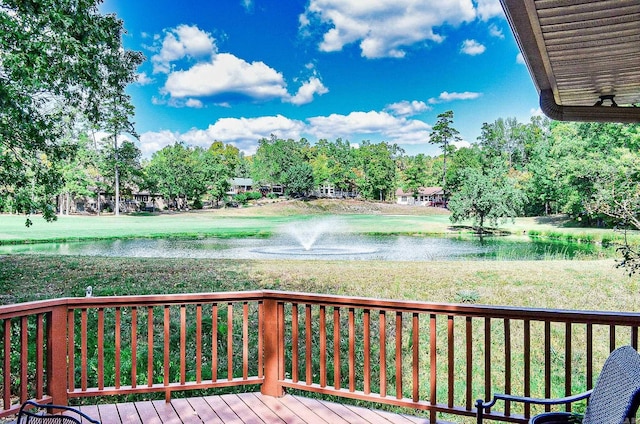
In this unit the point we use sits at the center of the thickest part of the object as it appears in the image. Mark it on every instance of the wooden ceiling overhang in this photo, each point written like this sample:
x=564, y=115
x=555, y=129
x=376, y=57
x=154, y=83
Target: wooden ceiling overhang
x=583, y=56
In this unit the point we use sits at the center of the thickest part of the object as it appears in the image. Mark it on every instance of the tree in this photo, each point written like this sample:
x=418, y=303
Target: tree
x=414, y=174
x=376, y=167
x=486, y=196
x=299, y=179
x=443, y=134
x=120, y=165
x=55, y=57
x=275, y=157
x=173, y=171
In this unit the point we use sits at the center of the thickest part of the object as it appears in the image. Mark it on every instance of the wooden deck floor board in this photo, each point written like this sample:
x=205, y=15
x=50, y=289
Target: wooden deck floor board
x=243, y=408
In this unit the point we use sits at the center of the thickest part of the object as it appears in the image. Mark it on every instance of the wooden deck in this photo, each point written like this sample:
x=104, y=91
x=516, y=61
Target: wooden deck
x=244, y=408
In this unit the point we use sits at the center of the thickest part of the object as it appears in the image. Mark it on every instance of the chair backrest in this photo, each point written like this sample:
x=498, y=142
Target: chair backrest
x=36, y=413
x=616, y=394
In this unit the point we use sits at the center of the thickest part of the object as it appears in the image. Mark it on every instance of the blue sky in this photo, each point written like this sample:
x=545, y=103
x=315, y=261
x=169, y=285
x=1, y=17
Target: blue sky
x=379, y=70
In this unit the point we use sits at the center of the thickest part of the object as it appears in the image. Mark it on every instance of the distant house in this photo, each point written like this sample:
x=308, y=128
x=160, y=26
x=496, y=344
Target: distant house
x=240, y=185
x=426, y=196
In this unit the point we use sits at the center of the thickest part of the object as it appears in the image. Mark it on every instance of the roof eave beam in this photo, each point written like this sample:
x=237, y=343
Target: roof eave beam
x=587, y=113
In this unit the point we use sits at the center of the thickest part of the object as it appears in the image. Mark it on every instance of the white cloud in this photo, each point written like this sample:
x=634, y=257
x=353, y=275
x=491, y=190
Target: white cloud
x=152, y=141
x=407, y=108
x=195, y=103
x=227, y=75
x=243, y=133
x=307, y=90
x=488, y=9
x=383, y=28
x=181, y=42
x=520, y=59
x=472, y=48
x=495, y=31
x=247, y=4
x=143, y=79
x=445, y=96
x=393, y=129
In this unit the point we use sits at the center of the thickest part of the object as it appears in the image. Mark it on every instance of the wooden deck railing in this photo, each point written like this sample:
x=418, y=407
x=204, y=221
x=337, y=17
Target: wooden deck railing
x=434, y=357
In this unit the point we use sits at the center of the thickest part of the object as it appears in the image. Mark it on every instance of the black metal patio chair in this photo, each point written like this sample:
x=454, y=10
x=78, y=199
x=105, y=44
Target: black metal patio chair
x=36, y=413
x=613, y=400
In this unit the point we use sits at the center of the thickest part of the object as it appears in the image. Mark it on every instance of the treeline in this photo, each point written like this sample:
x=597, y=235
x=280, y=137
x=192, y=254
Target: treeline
x=586, y=170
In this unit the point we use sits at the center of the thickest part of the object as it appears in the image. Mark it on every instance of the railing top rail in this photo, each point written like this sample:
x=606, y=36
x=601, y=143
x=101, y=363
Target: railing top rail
x=512, y=312
x=500, y=312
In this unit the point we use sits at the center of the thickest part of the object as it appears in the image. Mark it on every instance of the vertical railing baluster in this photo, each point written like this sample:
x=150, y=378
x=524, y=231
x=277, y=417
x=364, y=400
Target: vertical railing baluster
x=214, y=342
x=71, y=350
x=366, y=334
x=507, y=364
x=134, y=347
x=547, y=362
x=526, y=328
x=433, y=366
x=352, y=350
x=308, y=363
x=198, y=343
x=416, y=357
x=83, y=348
x=450, y=361
x=245, y=340
x=100, y=348
x=323, y=346
x=230, y=341
x=469, y=362
x=295, y=342
x=567, y=363
x=589, y=370
x=40, y=360
x=612, y=338
x=118, y=345
x=336, y=348
x=183, y=344
x=150, y=346
x=24, y=358
x=383, y=354
x=6, y=366
x=634, y=337
x=280, y=346
x=260, y=340
x=166, y=326
x=487, y=357
x=399, y=355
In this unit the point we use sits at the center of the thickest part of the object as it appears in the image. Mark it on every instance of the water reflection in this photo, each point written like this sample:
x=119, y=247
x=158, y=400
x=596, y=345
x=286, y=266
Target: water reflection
x=330, y=247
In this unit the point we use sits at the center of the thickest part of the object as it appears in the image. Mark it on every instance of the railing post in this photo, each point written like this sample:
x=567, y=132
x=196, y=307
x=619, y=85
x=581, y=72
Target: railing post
x=272, y=332
x=57, y=355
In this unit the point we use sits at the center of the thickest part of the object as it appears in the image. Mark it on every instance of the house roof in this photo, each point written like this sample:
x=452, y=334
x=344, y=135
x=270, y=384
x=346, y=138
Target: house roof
x=583, y=56
x=422, y=191
x=242, y=182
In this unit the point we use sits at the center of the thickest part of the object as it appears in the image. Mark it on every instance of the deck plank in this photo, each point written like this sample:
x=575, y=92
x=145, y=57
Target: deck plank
x=128, y=413
x=165, y=411
x=226, y=414
x=247, y=415
x=276, y=405
x=109, y=414
x=267, y=415
x=325, y=410
x=185, y=411
x=301, y=410
x=147, y=413
x=204, y=411
x=244, y=408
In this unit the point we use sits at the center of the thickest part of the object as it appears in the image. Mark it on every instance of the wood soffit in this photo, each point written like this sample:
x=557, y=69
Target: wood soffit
x=583, y=56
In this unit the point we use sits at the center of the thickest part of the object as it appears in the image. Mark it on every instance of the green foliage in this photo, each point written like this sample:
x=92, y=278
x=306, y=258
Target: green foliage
x=60, y=63
x=486, y=196
x=299, y=179
x=443, y=134
x=376, y=164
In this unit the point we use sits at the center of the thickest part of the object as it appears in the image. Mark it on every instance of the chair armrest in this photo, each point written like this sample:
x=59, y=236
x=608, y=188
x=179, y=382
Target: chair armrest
x=481, y=405
x=537, y=401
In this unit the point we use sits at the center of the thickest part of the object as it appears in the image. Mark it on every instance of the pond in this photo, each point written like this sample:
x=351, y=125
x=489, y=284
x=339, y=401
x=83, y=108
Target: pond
x=327, y=247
